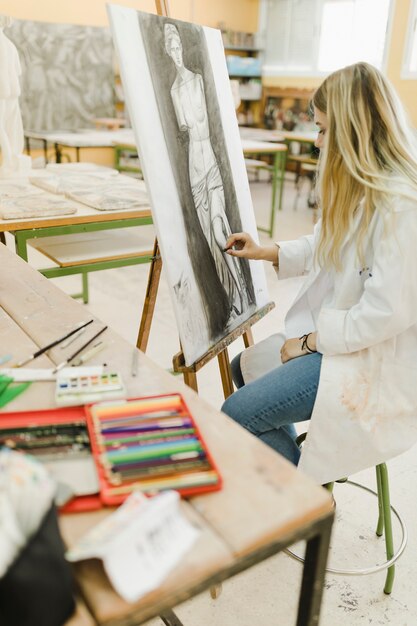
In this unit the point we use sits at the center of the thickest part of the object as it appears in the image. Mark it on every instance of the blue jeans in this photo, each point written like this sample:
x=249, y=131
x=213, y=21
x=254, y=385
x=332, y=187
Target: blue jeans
x=270, y=406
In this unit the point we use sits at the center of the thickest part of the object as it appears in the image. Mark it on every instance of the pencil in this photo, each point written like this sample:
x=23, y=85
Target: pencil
x=127, y=445
x=77, y=352
x=135, y=357
x=182, y=481
x=118, y=422
x=150, y=426
x=110, y=440
x=125, y=409
x=158, y=472
x=156, y=451
x=173, y=459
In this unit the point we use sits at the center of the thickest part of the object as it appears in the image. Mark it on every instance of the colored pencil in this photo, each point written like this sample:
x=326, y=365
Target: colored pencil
x=199, y=479
x=172, y=402
x=145, y=417
x=160, y=471
x=151, y=444
x=110, y=439
x=155, y=451
x=173, y=459
x=148, y=427
x=130, y=444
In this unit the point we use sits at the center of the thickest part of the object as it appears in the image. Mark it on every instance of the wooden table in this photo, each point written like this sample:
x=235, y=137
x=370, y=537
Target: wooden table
x=84, y=256
x=279, y=153
x=264, y=506
x=81, y=139
x=308, y=136
x=261, y=134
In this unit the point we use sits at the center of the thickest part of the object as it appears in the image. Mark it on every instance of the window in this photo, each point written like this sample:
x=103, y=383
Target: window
x=410, y=60
x=319, y=36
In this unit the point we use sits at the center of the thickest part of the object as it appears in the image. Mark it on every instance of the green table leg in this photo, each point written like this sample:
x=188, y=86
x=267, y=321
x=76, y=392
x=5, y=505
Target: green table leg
x=21, y=245
x=277, y=179
x=84, y=277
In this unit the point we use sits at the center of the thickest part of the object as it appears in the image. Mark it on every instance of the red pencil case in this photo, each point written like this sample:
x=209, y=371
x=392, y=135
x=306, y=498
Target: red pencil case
x=112, y=411
x=109, y=494
x=69, y=415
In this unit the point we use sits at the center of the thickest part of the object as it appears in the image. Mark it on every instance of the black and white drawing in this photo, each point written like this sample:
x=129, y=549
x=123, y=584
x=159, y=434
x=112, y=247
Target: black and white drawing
x=181, y=107
x=67, y=74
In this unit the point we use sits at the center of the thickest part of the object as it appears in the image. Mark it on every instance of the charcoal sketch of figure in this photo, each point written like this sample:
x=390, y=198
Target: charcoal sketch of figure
x=188, y=97
x=192, y=324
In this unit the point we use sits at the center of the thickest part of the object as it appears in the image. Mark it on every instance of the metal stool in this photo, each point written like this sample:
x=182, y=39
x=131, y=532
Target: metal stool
x=384, y=522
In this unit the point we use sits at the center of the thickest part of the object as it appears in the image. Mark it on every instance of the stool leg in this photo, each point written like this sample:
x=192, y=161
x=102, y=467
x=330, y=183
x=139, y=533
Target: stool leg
x=389, y=543
x=380, y=525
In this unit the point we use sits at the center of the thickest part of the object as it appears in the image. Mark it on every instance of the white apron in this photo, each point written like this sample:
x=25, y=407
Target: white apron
x=366, y=405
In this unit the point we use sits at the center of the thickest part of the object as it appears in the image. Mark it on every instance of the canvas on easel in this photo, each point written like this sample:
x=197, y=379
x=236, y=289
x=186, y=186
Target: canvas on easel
x=178, y=93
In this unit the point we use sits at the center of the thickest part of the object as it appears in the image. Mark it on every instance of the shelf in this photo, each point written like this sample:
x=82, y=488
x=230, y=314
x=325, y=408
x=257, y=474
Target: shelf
x=245, y=75
x=243, y=48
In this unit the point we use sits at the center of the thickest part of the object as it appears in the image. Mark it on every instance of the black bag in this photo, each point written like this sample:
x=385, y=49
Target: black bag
x=37, y=589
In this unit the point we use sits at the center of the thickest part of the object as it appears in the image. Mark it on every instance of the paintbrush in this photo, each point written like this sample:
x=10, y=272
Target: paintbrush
x=53, y=344
x=77, y=352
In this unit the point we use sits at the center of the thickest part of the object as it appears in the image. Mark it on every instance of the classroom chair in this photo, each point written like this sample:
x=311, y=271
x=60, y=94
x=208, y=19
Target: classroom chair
x=385, y=509
x=276, y=173
x=305, y=170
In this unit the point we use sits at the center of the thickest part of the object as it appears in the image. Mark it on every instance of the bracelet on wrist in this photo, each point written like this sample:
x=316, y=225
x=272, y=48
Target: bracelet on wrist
x=304, y=344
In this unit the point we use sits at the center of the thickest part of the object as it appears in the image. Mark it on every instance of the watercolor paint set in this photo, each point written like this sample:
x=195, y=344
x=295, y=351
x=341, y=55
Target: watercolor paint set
x=75, y=388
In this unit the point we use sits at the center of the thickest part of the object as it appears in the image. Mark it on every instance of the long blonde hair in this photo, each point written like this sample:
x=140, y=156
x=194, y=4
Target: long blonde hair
x=369, y=153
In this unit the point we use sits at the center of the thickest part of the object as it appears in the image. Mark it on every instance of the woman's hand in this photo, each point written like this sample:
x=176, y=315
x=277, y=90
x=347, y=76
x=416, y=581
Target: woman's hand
x=242, y=245
x=292, y=348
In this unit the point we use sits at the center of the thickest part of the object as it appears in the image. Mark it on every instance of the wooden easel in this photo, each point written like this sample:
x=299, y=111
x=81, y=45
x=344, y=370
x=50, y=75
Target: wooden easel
x=220, y=349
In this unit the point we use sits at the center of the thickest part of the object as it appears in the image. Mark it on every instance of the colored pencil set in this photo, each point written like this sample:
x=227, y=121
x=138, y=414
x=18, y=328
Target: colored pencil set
x=151, y=444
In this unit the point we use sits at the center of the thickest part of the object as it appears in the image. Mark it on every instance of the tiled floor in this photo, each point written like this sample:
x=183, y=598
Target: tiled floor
x=267, y=594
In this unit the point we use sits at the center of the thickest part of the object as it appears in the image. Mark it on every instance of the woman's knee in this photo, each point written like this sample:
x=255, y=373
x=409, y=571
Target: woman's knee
x=233, y=407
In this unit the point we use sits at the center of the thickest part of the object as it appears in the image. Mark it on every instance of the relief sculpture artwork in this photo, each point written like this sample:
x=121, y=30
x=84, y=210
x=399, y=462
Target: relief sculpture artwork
x=178, y=92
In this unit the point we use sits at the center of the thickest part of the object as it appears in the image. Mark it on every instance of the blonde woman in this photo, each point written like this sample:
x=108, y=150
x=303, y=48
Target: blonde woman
x=348, y=359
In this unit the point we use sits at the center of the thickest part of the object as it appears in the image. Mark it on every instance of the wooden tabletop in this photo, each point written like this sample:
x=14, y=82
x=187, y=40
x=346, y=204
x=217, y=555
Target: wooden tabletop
x=83, y=138
x=260, y=134
x=264, y=499
x=248, y=145
x=262, y=147
x=83, y=215
x=308, y=136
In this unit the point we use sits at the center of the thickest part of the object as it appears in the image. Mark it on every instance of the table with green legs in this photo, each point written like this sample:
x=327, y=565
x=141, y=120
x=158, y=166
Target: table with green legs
x=107, y=238
x=279, y=153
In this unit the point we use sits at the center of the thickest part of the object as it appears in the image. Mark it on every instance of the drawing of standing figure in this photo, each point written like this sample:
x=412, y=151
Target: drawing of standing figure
x=188, y=97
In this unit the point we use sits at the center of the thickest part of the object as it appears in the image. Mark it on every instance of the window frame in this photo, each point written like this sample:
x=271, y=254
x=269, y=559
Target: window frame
x=406, y=73
x=269, y=71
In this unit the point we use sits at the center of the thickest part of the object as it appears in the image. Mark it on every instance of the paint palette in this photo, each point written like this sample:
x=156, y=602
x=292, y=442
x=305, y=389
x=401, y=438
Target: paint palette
x=73, y=389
